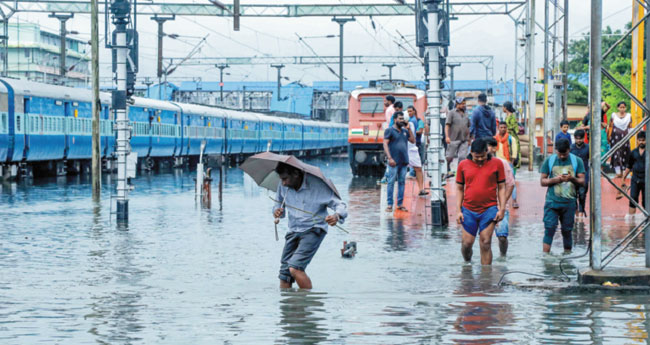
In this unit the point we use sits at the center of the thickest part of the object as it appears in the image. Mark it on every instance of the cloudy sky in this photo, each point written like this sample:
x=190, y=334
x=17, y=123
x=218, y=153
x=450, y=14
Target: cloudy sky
x=470, y=35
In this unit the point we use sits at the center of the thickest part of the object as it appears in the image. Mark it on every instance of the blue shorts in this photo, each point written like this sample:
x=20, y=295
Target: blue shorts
x=502, y=228
x=474, y=222
x=299, y=249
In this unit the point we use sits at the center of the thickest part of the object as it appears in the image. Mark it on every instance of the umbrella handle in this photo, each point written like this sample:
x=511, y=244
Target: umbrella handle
x=277, y=220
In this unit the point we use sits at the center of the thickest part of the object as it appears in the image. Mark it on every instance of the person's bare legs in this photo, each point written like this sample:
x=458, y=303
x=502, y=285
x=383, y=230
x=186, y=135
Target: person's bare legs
x=284, y=285
x=302, y=279
x=503, y=244
x=632, y=211
x=466, y=245
x=546, y=248
x=419, y=178
x=485, y=241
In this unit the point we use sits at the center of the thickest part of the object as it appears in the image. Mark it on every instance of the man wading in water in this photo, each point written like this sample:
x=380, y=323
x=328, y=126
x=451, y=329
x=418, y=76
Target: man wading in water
x=478, y=180
x=306, y=230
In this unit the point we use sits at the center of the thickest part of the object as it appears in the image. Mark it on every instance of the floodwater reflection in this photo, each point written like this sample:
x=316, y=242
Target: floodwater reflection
x=303, y=316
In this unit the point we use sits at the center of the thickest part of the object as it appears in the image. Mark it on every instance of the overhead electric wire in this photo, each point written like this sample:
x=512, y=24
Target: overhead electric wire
x=317, y=56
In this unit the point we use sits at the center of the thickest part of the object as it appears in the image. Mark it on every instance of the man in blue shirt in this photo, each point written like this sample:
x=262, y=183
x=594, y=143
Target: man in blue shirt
x=483, y=120
x=563, y=173
x=396, y=150
x=306, y=230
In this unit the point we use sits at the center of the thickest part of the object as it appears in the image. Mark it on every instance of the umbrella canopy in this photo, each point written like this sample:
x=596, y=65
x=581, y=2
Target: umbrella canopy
x=261, y=167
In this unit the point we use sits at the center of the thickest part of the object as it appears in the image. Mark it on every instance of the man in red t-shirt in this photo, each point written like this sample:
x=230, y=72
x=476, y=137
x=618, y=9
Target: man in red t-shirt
x=478, y=180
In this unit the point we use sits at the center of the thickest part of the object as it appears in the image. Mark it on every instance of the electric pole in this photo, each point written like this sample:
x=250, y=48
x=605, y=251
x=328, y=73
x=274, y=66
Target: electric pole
x=96, y=162
x=390, y=70
x=221, y=67
x=279, y=67
x=452, y=91
x=63, y=18
x=161, y=20
x=341, y=22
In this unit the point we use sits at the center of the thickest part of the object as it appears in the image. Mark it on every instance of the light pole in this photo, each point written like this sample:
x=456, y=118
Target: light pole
x=279, y=67
x=221, y=67
x=390, y=70
x=452, y=92
x=63, y=18
x=341, y=22
x=161, y=20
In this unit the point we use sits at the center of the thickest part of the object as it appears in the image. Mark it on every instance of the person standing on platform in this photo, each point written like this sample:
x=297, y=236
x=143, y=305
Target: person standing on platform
x=619, y=125
x=501, y=229
x=457, y=130
x=306, y=232
x=481, y=201
x=418, y=129
x=505, y=151
x=580, y=149
x=513, y=131
x=564, y=132
x=414, y=155
x=396, y=150
x=389, y=103
x=484, y=122
x=636, y=165
x=563, y=173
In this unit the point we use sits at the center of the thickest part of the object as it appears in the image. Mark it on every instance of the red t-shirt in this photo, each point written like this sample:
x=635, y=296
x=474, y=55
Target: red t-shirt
x=480, y=183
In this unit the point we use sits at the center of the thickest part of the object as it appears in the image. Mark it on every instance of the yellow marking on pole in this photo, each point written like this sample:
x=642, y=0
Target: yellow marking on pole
x=636, y=75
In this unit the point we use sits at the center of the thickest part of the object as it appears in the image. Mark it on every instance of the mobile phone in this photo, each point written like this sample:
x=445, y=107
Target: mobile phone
x=565, y=174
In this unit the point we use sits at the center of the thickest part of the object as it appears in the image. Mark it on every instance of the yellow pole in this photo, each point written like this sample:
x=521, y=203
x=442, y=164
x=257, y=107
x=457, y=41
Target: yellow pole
x=637, y=66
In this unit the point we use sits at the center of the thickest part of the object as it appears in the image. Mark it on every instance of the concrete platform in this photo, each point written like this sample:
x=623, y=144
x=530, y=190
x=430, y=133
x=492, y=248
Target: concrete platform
x=622, y=276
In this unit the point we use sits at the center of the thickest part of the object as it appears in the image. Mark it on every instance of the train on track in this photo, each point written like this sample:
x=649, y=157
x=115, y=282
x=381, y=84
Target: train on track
x=367, y=122
x=49, y=127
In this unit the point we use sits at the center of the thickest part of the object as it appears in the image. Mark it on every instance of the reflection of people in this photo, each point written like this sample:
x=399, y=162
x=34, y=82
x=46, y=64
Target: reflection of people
x=478, y=180
x=562, y=173
x=301, y=316
x=480, y=318
x=396, y=236
x=306, y=230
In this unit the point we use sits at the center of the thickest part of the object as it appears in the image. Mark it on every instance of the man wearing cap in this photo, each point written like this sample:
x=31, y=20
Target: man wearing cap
x=457, y=133
x=483, y=122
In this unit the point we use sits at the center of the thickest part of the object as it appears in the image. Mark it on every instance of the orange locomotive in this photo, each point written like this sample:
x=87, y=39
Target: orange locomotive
x=367, y=122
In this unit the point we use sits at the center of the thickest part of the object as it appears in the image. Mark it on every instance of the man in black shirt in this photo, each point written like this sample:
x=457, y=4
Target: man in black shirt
x=636, y=165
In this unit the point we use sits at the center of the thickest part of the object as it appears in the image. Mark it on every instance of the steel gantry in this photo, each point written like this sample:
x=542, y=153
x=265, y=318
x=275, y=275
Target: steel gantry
x=596, y=71
x=458, y=8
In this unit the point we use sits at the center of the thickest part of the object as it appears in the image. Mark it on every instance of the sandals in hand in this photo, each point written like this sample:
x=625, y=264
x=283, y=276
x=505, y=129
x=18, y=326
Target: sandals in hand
x=619, y=195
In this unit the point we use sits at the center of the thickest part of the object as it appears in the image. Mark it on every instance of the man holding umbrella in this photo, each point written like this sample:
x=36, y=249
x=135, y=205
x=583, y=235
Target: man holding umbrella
x=307, y=226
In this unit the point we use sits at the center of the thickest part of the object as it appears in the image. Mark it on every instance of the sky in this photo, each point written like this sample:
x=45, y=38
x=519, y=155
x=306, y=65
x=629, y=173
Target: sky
x=470, y=35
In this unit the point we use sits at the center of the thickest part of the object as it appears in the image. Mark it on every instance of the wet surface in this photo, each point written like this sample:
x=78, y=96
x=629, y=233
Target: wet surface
x=180, y=273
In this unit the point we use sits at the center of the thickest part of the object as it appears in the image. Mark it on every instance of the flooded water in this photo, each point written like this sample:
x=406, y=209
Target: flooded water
x=183, y=274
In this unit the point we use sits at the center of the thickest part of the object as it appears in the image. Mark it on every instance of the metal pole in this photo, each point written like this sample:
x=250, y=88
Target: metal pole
x=546, y=81
x=452, y=90
x=5, y=61
x=221, y=67
x=531, y=84
x=121, y=14
x=96, y=106
x=63, y=18
x=514, y=79
x=161, y=20
x=390, y=70
x=279, y=67
x=487, y=83
x=341, y=22
x=565, y=59
x=557, y=106
x=595, y=78
x=434, y=151
x=646, y=194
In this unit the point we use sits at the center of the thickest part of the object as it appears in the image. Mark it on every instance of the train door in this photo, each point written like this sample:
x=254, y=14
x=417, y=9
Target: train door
x=152, y=116
x=177, y=143
x=67, y=114
x=27, y=110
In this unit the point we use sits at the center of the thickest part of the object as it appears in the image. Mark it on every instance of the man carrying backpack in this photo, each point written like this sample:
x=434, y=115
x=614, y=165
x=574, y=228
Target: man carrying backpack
x=562, y=173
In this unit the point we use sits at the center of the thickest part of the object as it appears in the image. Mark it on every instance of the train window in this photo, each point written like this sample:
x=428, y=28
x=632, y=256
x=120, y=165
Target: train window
x=406, y=101
x=372, y=104
x=3, y=122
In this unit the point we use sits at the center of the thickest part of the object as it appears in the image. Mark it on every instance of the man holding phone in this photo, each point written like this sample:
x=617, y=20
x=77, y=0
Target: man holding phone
x=563, y=173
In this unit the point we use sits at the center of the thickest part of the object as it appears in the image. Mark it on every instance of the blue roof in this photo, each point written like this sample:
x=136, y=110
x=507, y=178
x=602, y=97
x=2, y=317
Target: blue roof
x=167, y=91
x=228, y=86
x=295, y=98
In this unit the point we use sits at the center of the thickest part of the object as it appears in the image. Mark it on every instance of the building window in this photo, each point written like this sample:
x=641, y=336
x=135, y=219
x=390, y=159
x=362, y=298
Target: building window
x=26, y=53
